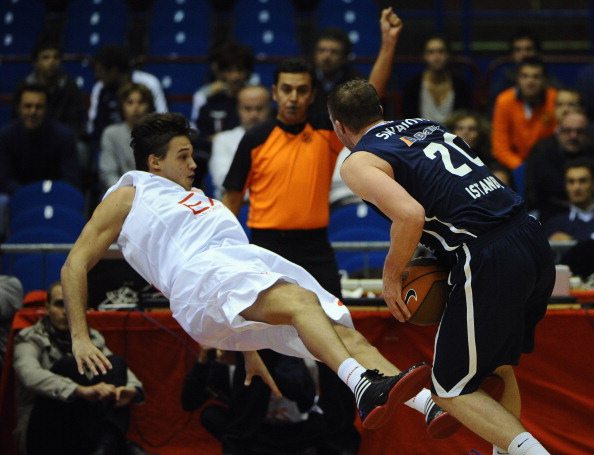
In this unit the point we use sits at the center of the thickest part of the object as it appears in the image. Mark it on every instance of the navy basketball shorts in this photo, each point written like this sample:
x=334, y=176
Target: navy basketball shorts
x=500, y=286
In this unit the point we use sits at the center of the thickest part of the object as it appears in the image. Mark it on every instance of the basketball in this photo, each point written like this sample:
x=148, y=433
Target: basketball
x=424, y=290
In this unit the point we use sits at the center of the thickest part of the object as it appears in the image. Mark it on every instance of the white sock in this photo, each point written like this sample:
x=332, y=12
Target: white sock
x=350, y=372
x=499, y=451
x=526, y=444
x=421, y=402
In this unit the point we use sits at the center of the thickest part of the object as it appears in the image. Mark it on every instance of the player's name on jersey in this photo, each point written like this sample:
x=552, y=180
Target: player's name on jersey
x=483, y=186
x=403, y=125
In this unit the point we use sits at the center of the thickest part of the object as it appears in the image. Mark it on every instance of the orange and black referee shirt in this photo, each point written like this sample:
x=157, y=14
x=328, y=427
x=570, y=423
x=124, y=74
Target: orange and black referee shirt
x=288, y=172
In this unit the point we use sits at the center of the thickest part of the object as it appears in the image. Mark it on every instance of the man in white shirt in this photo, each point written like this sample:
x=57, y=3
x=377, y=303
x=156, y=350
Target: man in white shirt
x=113, y=70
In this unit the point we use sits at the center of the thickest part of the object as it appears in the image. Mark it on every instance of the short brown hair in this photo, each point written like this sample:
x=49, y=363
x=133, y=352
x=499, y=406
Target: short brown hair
x=355, y=104
x=153, y=133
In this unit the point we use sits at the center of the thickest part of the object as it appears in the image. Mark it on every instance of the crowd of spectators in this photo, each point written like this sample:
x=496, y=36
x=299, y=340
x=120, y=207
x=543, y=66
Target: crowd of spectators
x=525, y=105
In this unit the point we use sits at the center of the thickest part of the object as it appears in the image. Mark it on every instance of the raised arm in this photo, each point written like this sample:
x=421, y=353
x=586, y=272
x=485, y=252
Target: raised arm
x=372, y=179
x=98, y=234
x=390, y=27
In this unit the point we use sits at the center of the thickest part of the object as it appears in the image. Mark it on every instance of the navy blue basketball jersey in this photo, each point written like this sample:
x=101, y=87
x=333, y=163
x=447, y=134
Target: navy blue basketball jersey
x=462, y=199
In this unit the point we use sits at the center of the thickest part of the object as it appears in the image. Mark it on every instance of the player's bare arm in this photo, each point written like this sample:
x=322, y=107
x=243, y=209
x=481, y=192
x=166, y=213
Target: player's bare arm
x=96, y=237
x=254, y=366
x=233, y=200
x=390, y=27
x=372, y=179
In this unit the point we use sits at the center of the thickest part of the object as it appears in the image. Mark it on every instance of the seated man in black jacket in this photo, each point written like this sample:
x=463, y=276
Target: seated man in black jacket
x=291, y=424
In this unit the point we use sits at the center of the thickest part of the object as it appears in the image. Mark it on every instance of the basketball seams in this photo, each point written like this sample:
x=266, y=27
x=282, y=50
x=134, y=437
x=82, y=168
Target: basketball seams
x=408, y=283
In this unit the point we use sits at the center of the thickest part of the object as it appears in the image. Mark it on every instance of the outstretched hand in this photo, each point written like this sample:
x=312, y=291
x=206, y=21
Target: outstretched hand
x=254, y=366
x=88, y=355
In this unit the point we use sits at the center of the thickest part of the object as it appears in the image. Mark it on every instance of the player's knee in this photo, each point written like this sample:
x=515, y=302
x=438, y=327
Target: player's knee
x=302, y=300
x=504, y=370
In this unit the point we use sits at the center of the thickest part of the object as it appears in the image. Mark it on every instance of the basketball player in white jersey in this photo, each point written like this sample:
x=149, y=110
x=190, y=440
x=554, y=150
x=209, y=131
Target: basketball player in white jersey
x=223, y=291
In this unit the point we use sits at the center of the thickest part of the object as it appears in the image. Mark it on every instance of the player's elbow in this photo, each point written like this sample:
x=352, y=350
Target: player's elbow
x=70, y=268
x=415, y=215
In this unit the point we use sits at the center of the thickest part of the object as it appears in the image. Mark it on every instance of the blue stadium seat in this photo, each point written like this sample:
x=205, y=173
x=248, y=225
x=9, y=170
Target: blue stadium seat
x=22, y=21
x=360, y=263
x=359, y=18
x=54, y=216
x=357, y=222
x=47, y=192
x=13, y=73
x=358, y=215
x=82, y=72
x=180, y=28
x=268, y=26
x=93, y=23
x=178, y=78
x=36, y=270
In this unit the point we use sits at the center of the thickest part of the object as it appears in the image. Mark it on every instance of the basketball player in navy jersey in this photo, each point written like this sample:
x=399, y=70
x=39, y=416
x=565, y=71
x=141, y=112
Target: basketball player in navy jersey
x=438, y=193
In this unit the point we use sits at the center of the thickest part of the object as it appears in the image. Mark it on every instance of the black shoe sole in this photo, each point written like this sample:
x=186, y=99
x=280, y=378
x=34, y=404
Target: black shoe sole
x=414, y=379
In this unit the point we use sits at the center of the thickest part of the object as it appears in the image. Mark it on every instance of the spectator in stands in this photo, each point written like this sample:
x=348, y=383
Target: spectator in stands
x=11, y=300
x=475, y=129
x=523, y=114
x=34, y=147
x=545, y=186
x=113, y=70
x=231, y=64
x=567, y=100
x=436, y=91
x=65, y=101
x=254, y=105
x=116, y=156
x=523, y=44
x=60, y=410
x=214, y=106
x=577, y=222
x=331, y=64
x=290, y=424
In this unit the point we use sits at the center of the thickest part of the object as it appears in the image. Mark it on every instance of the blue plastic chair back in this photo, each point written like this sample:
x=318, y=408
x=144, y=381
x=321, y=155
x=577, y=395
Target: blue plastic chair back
x=361, y=263
x=358, y=215
x=268, y=27
x=47, y=192
x=53, y=216
x=92, y=24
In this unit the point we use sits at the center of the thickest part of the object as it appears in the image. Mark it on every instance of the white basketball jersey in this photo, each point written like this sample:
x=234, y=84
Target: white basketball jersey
x=169, y=227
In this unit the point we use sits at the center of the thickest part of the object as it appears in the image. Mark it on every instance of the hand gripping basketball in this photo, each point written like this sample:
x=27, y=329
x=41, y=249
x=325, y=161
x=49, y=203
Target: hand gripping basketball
x=425, y=290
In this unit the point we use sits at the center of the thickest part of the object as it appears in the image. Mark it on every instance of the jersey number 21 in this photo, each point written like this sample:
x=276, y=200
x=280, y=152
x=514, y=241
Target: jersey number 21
x=434, y=148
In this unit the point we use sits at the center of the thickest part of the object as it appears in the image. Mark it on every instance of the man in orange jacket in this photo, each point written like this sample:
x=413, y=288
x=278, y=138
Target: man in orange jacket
x=523, y=114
